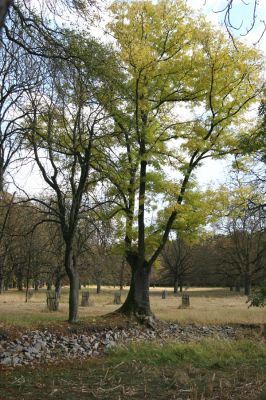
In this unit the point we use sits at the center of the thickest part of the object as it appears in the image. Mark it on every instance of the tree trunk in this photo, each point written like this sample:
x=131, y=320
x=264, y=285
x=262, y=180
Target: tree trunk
x=2, y=275
x=121, y=277
x=98, y=289
x=247, y=285
x=176, y=286
x=73, y=277
x=1, y=281
x=20, y=285
x=73, y=297
x=58, y=287
x=237, y=286
x=138, y=300
x=27, y=290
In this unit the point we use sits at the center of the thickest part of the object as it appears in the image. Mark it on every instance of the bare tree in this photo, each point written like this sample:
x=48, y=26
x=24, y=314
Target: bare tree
x=176, y=265
x=18, y=75
x=64, y=126
x=244, y=28
x=243, y=250
x=5, y=211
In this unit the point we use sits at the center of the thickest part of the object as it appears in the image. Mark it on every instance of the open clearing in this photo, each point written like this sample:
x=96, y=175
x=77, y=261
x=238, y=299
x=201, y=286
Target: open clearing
x=208, y=369
x=208, y=306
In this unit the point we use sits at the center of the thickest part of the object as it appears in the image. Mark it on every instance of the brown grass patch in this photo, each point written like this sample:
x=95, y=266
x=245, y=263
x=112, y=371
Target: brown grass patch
x=208, y=306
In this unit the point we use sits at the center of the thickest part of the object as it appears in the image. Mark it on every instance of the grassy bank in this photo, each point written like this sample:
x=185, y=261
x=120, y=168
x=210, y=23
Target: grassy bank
x=207, y=370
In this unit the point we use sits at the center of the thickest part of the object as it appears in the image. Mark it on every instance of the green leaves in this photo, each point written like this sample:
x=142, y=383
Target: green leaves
x=258, y=297
x=165, y=55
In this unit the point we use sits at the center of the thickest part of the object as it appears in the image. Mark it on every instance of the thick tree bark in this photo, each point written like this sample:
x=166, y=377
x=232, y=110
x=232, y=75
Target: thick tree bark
x=73, y=297
x=73, y=277
x=137, y=302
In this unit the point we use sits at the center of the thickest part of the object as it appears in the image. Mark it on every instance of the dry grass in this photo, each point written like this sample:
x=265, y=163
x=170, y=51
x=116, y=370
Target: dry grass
x=209, y=370
x=210, y=310
x=208, y=306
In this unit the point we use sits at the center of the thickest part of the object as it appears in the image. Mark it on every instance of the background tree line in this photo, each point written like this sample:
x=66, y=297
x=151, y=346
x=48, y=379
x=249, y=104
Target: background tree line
x=32, y=256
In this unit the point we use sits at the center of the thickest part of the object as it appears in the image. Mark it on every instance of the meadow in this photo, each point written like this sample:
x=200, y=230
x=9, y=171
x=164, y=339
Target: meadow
x=207, y=306
x=207, y=369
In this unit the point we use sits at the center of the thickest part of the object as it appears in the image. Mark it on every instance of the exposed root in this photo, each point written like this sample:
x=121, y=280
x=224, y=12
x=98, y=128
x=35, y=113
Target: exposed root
x=149, y=321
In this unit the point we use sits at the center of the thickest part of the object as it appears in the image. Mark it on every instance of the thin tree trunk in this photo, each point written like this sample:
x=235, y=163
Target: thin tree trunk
x=98, y=288
x=1, y=157
x=27, y=289
x=237, y=285
x=1, y=277
x=121, y=278
x=58, y=287
x=176, y=286
x=247, y=285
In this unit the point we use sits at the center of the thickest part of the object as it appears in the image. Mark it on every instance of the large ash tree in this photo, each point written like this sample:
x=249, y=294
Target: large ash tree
x=173, y=60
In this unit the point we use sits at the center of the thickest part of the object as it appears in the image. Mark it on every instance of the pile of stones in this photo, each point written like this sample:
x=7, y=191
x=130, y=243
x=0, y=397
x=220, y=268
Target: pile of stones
x=44, y=346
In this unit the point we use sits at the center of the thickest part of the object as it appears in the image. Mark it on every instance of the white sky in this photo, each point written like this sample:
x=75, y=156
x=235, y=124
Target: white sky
x=214, y=172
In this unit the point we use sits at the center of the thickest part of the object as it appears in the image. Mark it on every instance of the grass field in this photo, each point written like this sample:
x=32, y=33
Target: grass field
x=208, y=306
x=195, y=371
x=205, y=370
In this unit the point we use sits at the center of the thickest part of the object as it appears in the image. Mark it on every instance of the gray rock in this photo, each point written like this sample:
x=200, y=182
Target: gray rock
x=110, y=344
x=41, y=345
x=6, y=361
x=19, y=348
x=28, y=356
x=96, y=345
